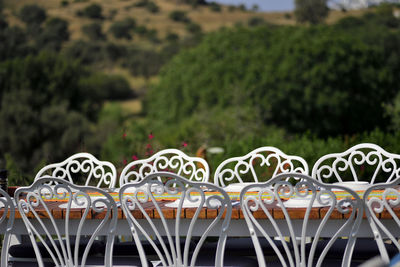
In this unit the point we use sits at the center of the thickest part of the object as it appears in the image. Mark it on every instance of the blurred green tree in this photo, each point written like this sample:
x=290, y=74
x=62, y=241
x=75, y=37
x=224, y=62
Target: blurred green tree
x=312, y=11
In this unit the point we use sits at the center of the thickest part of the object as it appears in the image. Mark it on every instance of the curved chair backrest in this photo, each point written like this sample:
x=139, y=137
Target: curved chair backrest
x=259, y=165
x=82, y=166
x=64, y=238
x=270, y=211
x=381, y=203
x=362, y=162
x=170, y=160
x=7, y=215
x=138, y=198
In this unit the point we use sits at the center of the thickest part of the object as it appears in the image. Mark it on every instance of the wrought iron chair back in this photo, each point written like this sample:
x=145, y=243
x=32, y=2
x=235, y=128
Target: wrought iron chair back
x=7, y=216
x=362, y=162
x=135, y=197
x=258, y=165
x=170, y=160
x=381, y=202
x=63, y=241
x=82, y=166
x=268, y=216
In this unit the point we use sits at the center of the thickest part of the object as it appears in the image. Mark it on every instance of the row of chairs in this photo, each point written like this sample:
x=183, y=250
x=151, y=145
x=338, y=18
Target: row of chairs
x=274, y=240
x=361, y=162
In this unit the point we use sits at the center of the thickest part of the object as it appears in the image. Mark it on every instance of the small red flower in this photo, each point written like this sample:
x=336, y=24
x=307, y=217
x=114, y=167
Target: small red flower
x=184, y=144
x=125, y=161
x=148, y=146
x=134, y=157
x=151, y=136
x=123, y=135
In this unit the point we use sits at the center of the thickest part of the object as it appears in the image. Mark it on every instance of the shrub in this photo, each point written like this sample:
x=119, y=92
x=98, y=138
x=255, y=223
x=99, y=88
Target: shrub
x=179, y=16
x=193, y=28
x=93, y=11
x=255, y=21
x=152, y=7
x=172, y=37
x=64, y=3
x=123, y=29
x=93, y=31
x=215, y=7
x=54, y=34
x=312, y=11
x=32, y=15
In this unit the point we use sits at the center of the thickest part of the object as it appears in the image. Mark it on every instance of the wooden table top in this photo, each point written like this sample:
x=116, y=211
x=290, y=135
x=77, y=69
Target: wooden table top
x=188, y=213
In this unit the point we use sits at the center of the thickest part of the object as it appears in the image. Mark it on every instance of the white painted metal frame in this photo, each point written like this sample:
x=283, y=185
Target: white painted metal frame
x=9, y=209
x=171, y=160
x=85, y=164
x=40, y=229
x=273, y=192
x=374, y=206
x=171, y=253
x=385, y=164
x=232, y=170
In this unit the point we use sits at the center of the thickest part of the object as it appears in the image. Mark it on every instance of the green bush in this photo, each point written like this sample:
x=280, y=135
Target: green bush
x=123, y=29
x=93, y=31
x=54, y=34
x=215, y=7
x=312, y=11
x=93, y=11
x=193, y=28
x=179, y=16
x=32, y=14
x=152, y=7
x=255, y=21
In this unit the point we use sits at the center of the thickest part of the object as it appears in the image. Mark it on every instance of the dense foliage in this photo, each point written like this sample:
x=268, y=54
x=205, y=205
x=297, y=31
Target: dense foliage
x=291, y=77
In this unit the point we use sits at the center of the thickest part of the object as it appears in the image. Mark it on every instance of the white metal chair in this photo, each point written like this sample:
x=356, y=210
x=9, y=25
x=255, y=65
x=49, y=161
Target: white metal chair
x=170, y=160
x=7, y=215
x=268, y=214
x=382, y=202
x=362, y=162
x=67, y=241
x=258, y=165
x=165, y=236
x=82, y=166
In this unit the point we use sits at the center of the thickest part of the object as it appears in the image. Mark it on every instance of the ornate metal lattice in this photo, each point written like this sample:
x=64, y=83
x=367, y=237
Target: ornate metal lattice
x=268, y=216
x=169, y=249
x=170, y=160
x=7, y=219
x=62, y=241
x=380, y=208
x=363, y=162
x=259, y=165
x=82, y=166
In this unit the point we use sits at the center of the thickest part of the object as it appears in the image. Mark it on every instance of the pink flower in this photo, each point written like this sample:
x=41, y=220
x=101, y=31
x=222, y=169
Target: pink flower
x=151, y=136
x=148, y=146
x=134, y=157
x=123, y=135
x=125, y=161
x=184, y=144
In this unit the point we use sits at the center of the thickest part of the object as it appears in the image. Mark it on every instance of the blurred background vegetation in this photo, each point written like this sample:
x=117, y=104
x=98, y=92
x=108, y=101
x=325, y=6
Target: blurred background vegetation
x=123, y=79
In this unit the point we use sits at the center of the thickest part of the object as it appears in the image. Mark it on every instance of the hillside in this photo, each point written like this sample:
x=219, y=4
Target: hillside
x=209, y=18
x=152, y=30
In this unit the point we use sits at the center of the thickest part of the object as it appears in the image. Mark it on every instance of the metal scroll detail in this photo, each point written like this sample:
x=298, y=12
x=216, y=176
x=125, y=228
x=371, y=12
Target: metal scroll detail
x=134, y=198
x=385, y=199
x=82, y=165
x=63, y=241
x=263, y=161
x=170, y=160
x=287, y=230
x=7, y=219
x=353, y=162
